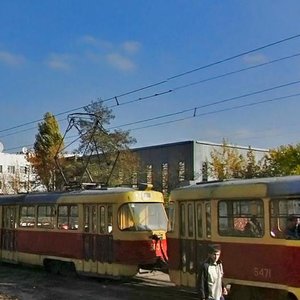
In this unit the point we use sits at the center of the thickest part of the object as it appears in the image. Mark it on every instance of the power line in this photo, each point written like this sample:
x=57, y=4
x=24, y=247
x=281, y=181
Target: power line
x=192, y=116
x=194, y=109
x=237, y=71
x=235, y=56
x=212, y=112
x=162, y=93
x=168, y=79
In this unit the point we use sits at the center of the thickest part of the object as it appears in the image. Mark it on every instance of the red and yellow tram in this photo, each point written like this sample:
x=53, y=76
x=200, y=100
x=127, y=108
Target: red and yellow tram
x=105, y=231
x=248, y=218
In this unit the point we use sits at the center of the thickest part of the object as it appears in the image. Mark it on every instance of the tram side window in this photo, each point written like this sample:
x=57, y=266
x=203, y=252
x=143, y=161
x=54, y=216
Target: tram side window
x=199, y=221
x=190, y=220
x=125, y=218
x=27, y=216
x=46, y=216
x=208, y=220
x=90, y=218
x=109, y=219
x=106, y=219
x=285, y=218
x=242, y=218
x=87, y=218
x=67, y=217
x=9, y=217
x=182, y=219
x=171, y=216
x=102, y=219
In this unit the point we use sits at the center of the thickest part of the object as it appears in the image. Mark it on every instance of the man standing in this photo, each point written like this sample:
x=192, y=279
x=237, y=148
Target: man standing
x=210, y=276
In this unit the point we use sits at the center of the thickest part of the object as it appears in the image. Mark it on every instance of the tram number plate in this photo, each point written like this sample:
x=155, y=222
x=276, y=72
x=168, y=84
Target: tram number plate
x=262, y=272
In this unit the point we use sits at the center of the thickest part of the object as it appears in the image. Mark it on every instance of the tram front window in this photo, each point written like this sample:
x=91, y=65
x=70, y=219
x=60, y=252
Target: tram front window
x=142, y=216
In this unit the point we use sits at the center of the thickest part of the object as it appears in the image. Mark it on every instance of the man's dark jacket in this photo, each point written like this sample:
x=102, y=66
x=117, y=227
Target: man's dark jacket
x=202, y=282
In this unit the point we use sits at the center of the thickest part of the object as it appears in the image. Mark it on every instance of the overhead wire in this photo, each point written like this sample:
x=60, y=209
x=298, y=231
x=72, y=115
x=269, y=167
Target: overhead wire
x=206, y=113
x=168, y=79
x=235, y=56
x=159, y=93
x=194, y=109
x=191, y=116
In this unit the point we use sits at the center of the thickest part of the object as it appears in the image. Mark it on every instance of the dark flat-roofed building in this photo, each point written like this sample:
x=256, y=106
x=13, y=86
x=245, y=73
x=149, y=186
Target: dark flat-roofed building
x=167, y=166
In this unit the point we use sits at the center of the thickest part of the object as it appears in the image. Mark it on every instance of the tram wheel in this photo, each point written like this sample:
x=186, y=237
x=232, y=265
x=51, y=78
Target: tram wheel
x=67, y=269
x=52, y=266
x=239, y=292
x=291, y=297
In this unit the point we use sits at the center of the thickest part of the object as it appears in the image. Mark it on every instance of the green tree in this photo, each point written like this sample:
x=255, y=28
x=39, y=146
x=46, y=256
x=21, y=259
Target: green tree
x=47, y=144
x=115, y=164
x=251, y=168
x=283, y=161
x=228, y=163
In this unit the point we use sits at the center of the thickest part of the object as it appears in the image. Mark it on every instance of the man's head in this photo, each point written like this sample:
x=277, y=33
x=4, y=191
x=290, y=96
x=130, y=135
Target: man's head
x=292, y=221
x=214, y=252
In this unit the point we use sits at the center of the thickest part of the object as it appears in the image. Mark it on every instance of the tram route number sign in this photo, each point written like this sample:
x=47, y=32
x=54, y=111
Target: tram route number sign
x=260, y=272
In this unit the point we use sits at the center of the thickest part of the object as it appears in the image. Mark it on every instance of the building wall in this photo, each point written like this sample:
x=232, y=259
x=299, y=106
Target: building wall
x=166, y=166
x=177, y=163
x=16, y=174
x=170, y=164
x=203, y=156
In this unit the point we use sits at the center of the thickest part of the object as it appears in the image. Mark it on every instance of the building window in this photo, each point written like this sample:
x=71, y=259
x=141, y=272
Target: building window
x=121, y=177
x=11, y=169
x=134, y=179
x=204, y=171
x=181, y=171
x=164, y=178
x=24, y=169
x=149, y=174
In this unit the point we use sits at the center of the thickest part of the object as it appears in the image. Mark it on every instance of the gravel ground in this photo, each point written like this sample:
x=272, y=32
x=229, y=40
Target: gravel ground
x=20, y=283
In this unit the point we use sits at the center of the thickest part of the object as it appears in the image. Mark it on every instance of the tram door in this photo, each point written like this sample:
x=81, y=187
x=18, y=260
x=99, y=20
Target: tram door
x=98, y=239
x=194, y=232
x=8, y=232
x=203, y=229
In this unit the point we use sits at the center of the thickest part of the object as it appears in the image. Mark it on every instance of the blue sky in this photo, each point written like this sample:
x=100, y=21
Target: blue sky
x=56, y=56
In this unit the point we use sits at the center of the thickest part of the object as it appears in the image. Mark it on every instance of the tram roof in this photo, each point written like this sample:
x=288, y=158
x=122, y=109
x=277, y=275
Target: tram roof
x=53, y=197
x=246, y=188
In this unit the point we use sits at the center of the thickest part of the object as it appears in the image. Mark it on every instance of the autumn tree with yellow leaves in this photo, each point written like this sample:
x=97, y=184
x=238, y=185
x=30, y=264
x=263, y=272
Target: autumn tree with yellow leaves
x=47, y=144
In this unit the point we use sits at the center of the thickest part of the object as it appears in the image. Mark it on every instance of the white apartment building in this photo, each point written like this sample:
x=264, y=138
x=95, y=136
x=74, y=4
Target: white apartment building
x=16, y=175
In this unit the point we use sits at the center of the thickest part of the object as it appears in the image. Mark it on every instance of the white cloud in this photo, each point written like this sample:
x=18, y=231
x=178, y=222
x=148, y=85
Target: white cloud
x=120, y=62
x=94, y=57
x=88, y=39
x=92, y=41
x=255, y=58
x=115, y=54
x=59, y=62
x=11, y=59
x=131, y=47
